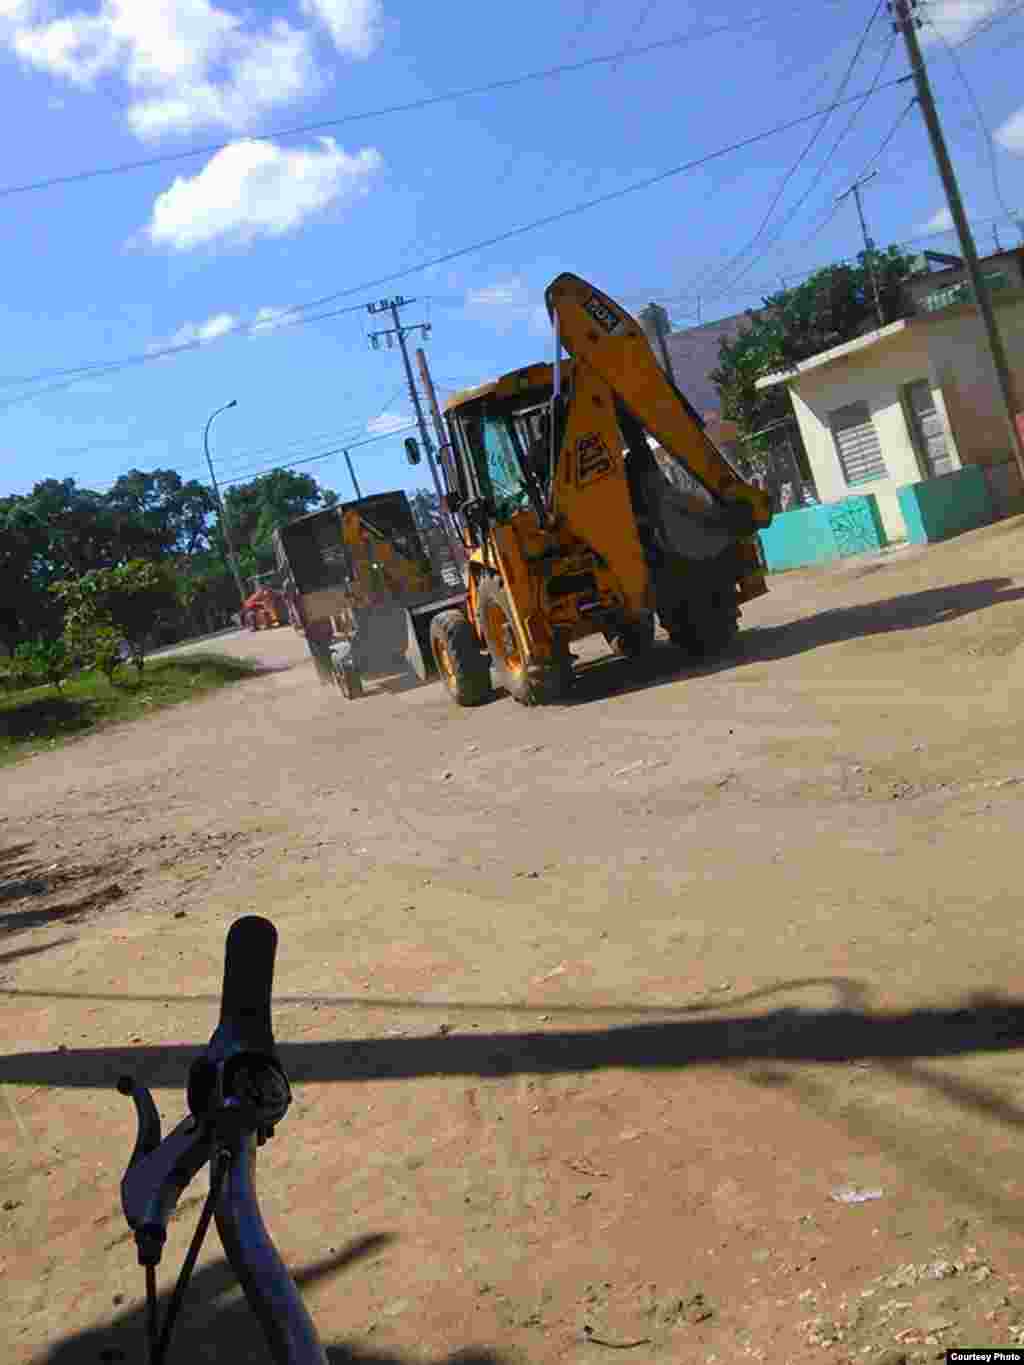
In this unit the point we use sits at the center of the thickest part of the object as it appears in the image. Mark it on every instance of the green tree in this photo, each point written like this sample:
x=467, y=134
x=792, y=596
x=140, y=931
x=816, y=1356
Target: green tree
x=832, y=306
x=176, y=514
x=255, y=509
x=42, y=661
x=126, y=602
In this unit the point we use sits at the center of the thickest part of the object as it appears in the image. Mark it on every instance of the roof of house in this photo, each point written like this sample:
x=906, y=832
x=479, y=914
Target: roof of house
x=694, y=354
x=829, y=357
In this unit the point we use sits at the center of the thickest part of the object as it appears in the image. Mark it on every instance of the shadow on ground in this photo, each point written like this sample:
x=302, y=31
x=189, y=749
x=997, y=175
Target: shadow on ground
x=849, y=1033
x=216, y=1324
x=21, y=881
x=764, y=644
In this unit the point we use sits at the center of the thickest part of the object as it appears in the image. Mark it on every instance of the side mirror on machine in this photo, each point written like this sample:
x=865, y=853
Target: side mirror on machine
x=412, y=450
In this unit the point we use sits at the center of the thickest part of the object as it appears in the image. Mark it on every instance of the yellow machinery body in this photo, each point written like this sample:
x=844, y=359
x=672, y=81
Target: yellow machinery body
x=592, y=501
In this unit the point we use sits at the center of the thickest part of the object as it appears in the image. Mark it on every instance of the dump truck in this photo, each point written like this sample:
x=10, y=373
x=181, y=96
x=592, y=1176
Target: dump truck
x=358, y=580
x=591, y=502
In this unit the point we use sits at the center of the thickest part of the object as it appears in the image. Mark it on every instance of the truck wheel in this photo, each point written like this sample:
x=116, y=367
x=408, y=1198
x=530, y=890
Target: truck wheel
x=707, y=629
x=523, y=682
x=464, y=668
x=633, y=639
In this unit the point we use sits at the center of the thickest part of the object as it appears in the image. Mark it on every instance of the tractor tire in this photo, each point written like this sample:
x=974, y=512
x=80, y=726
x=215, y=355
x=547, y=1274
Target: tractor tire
x=706, y=630
x=526, y=685
x=632, y=640
x=465, y=670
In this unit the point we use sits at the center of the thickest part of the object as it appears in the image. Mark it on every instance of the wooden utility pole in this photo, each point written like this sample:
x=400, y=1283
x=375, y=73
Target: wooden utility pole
x=907, y=23
x=352, y=473
x=869, y=246
x=454, y=540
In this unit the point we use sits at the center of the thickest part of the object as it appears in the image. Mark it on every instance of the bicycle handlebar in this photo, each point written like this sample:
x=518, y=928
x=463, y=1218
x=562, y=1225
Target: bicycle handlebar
x=248, y=984
x=237, y=1092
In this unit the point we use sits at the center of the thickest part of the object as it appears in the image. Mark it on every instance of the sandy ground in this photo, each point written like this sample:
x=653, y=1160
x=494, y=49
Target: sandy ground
x=598, y=1016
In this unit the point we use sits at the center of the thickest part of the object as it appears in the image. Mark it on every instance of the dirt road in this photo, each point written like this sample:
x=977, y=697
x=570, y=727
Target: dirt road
x=684, y=1017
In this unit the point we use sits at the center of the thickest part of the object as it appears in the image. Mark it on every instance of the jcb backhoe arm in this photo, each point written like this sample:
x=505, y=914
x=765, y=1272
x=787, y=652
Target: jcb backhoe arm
x=602, y=337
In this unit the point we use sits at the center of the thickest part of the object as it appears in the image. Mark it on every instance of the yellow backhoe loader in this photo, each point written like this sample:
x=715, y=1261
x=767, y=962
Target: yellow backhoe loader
x=591, y=501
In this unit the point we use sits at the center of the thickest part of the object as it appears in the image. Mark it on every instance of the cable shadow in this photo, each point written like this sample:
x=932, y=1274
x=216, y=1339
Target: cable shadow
x=392, y=1002
x=765, y=644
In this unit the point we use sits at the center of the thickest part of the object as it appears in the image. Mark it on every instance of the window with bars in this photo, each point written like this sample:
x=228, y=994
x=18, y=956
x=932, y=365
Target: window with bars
x=857, y=444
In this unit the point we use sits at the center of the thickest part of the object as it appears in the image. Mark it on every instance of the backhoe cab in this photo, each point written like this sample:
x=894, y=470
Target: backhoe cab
x=591, y=501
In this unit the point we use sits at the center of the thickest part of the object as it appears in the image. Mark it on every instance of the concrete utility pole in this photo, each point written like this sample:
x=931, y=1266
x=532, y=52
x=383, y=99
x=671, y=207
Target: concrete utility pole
x=398, y=331
x=907, y=23
x=232, y=559
x=454, y=540
x=869, y=246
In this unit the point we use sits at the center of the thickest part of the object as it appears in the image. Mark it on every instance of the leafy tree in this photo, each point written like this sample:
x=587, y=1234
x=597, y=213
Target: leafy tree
x=127, y=601
x=255, y=509
x=834, y=305
x=38, y=661
x=175, y=513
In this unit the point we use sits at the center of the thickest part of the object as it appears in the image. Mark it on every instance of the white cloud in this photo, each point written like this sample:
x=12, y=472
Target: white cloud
x=188, y=63
x=219, y=325
x=955, y=20
x=942, y=221
x=267, y=319
x=354, y=25
x=506, y=304
x=1011, y=133
x=257, y=189
x=387, y=421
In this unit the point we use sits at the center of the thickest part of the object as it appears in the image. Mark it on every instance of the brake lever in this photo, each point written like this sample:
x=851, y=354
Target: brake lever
x=158, y=1172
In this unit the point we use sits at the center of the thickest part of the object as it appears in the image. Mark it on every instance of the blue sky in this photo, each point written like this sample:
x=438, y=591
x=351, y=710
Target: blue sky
x=118, y=266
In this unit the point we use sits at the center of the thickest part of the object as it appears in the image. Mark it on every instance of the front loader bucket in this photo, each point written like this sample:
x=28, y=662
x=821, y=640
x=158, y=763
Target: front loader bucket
x=418, y=653
x=379, y=642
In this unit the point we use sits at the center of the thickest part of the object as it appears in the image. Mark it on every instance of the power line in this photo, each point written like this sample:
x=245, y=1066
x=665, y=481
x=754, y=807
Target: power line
x=409, y=106
x=352, y=445
x=828, y=159
x=994, y=22
x=769, y=285
x=979, y=116
x=546, y=221
x=716, y=276
x=598, y=200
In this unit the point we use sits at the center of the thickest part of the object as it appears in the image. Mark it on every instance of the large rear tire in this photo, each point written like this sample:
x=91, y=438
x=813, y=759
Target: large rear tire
x=706, y=629
x=465, y=670
x=522, y=680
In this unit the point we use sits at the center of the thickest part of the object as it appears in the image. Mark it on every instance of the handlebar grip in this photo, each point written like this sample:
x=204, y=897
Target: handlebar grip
x=248, y=983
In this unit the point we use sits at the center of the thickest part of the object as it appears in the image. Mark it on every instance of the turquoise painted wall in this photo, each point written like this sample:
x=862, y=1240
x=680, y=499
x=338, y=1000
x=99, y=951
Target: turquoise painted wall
x=939, y=508
x=816, y=535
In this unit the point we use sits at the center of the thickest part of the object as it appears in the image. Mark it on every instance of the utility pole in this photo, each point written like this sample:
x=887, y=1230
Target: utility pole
x=352, y=473
x=232, y=558
x=398, y=331
x=655, y=322
x=869, y=246
x=907, y=23
x=454, y=541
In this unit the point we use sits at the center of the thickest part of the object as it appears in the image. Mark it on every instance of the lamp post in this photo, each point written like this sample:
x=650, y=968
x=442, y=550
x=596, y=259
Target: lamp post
x=220, y=501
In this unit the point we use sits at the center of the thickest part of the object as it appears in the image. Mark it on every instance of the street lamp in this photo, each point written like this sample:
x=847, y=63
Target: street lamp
x=220, y=501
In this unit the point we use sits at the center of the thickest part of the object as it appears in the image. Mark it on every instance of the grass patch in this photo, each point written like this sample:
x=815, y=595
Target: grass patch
x=40, y=718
